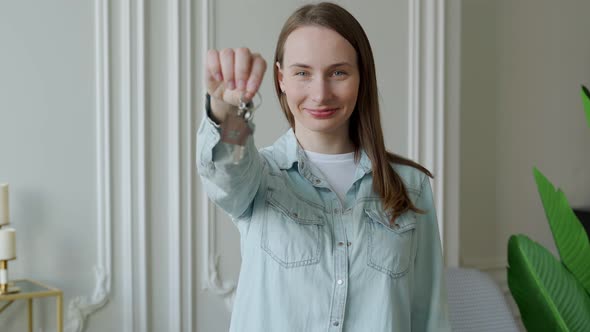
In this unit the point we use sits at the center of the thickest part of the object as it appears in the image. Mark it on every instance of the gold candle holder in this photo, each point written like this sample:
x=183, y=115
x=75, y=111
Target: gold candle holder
x=5, y=287
x=7, y=242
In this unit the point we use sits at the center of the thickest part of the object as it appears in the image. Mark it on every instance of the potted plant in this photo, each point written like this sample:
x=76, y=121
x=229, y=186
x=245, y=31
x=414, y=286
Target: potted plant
x=552, y=294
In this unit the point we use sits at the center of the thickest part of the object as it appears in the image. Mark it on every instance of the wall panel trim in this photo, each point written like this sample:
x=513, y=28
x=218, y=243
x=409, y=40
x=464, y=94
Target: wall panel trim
x=133, y=164
x=432, y=120
x=180, y=166
x=210, y=276
x=82, y=306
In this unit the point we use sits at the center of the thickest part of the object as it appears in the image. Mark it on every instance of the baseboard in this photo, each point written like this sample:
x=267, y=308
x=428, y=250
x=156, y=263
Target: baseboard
x=484, y=263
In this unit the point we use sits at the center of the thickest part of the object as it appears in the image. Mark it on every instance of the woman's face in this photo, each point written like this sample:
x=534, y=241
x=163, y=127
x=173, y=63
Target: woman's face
x=320, y=79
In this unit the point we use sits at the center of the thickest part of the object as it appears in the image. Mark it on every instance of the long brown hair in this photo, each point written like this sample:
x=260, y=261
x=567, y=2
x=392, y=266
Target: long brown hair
x=365, y=122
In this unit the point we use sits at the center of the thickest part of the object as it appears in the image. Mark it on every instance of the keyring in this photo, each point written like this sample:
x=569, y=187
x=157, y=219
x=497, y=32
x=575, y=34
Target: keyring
x=249, y=106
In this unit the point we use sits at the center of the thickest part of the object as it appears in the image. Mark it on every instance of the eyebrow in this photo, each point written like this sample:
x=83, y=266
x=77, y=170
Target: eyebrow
x=302, y=65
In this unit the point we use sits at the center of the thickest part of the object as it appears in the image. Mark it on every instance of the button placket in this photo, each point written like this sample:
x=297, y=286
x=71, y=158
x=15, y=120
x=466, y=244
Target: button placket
x=340, y=268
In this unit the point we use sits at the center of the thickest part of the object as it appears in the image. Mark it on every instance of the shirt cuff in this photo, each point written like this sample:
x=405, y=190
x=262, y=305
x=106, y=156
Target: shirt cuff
x=208, y=112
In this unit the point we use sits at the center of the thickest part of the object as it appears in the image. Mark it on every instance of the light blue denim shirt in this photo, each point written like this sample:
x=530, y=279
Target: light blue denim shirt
x=311, y=264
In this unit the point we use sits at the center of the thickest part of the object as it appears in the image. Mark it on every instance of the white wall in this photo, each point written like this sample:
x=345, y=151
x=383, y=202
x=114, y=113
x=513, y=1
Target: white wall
x=47, y=146
x=522, y=66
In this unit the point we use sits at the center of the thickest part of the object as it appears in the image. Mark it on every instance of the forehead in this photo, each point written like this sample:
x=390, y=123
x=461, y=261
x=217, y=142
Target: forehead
x=319, y=46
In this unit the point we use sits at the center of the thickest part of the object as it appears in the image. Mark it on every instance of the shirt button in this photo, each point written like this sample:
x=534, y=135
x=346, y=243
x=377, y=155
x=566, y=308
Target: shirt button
x=317, y=181
x=336, y=211
x=339, y=282
x=348, y=244
x=340, y=243
x=335, y=323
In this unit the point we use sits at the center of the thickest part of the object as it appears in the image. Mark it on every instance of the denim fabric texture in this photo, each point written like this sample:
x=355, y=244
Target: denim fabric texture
x=310, y=263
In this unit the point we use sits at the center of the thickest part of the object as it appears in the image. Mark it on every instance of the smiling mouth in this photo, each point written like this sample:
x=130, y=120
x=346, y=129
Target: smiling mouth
x=321, y=113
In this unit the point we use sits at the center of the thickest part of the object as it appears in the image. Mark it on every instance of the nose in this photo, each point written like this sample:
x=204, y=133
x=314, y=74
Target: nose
x=321, y=91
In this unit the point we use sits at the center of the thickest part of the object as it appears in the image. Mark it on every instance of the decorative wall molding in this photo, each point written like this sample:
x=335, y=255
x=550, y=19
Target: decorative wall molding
x=426, y=92
x=133, y=163
x=452, y=118
x=82, y=306
x=211, y=280
x=174, y=162
x=426, y=114
x=181, y=126
x=188, y=171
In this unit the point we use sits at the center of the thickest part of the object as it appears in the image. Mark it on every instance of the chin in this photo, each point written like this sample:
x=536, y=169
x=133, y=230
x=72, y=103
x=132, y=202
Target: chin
x=322, y=126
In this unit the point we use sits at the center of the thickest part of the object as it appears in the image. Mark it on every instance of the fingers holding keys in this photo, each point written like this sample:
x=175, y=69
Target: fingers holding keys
x=256, y=75
x=214, y=77
x=243, y=59
x=226, y=57
x=234, y=73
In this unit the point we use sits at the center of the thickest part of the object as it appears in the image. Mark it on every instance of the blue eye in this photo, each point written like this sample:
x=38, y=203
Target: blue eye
x=300, y=73
x=339, y=73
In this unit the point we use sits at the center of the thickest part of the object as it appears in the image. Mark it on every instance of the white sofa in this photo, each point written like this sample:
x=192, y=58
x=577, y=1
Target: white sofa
x=476, y=303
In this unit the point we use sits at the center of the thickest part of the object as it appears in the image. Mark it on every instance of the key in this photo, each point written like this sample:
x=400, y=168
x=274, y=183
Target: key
x=235, y=130
x=238, y=153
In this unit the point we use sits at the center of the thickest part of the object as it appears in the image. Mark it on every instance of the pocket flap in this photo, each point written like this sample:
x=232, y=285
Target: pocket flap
x=295, y=209
x=404, y=223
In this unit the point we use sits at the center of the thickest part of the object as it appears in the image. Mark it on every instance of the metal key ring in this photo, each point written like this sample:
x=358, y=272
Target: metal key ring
x=248, y=106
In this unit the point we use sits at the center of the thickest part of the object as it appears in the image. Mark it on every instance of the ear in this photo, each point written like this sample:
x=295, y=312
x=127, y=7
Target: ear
x=280, y=76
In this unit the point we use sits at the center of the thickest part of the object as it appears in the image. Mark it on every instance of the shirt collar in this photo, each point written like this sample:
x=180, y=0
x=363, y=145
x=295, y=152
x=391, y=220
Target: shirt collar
x=288, y=151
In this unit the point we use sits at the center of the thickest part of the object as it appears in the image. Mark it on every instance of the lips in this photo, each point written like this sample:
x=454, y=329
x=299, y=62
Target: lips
x=321, y=113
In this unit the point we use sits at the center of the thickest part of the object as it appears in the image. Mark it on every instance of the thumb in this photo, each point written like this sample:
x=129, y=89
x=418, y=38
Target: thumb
x=214, y=85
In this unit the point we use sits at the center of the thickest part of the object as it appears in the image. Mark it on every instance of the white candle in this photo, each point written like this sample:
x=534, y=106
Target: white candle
x=7, y=244
x=4, y=211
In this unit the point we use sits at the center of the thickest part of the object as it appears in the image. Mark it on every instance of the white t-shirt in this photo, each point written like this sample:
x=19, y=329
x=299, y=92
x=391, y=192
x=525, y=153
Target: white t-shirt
x=337, y=169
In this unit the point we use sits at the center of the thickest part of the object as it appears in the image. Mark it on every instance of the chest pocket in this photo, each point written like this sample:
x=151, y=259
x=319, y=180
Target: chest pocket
x=292, y=230
x=390, y=247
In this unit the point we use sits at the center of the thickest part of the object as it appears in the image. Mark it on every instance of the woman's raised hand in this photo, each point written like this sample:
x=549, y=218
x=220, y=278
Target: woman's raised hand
x=231, y=74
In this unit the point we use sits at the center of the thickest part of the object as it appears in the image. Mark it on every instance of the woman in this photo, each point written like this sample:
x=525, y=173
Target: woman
x=336, y=233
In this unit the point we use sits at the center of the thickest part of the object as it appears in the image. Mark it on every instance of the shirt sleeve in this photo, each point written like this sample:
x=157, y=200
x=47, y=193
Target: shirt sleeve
x=231, y=186
x=429, y=294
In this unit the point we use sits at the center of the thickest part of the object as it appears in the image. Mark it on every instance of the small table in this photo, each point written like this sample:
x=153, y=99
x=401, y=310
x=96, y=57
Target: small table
x=30, y=290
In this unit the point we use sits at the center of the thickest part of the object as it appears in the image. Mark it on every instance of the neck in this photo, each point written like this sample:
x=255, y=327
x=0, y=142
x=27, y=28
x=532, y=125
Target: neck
x=328, y=143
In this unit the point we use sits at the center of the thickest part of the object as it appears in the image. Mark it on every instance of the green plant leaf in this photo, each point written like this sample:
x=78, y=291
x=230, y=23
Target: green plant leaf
x=586, y=102
x=569, y=234
x=548, y=296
